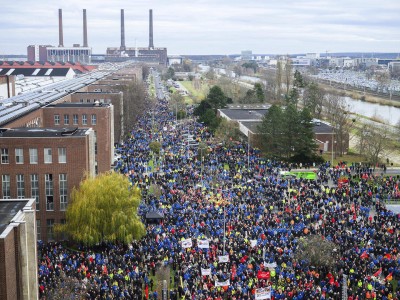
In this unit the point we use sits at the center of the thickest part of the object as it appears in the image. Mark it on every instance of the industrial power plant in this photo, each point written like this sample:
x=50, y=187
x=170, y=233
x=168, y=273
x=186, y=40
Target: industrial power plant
x=148, y=54
x=83, y=54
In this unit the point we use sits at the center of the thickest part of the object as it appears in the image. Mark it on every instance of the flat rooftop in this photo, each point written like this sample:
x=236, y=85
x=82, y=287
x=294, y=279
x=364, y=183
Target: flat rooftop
x=79, y=104
x=244, y=114
x=8, y=210
x=319, y=127
x=25, y=132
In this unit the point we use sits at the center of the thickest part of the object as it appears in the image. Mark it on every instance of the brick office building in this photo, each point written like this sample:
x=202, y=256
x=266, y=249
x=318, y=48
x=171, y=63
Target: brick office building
x=18, y=257
x=98, y=116
x=116, y=99
x=45, y=164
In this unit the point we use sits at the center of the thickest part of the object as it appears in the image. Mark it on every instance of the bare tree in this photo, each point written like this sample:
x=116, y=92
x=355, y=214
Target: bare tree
x=278, y=80
x=383, y=79
x=269, y=85
x=136, y=102
x=68, y=288
x=316, y=251
x=375, y=141
x=341, y=119
x=288, y=76
x=227, y=132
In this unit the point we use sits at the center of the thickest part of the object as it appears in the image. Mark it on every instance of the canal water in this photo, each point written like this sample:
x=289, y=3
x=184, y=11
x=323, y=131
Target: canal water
x=388, y=114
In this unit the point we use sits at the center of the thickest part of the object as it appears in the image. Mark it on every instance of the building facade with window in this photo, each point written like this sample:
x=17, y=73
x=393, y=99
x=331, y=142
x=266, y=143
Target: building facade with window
x=18, y=257
x=45, y=164
x=99, y=116
x=104, y=94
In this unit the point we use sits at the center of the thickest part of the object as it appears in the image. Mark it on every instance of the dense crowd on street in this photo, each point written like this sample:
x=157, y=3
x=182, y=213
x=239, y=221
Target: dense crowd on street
x=232, y=193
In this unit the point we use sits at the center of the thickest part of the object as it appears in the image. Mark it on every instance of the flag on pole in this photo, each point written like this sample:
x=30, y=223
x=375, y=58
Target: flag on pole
x=377, y=273
x=364, y=255
x=263, y=275
x=389, y=277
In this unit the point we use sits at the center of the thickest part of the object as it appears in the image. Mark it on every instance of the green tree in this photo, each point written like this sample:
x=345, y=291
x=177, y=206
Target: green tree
x=259, y=91
x=271, y=130
x=155, y=147
x=181, y=114
x=251, y=65
x=170, y=73
x=298, y=80
x=305, y=146
x=249, y=98
x=292, y=97
x=104, y=209
x=202, y=108
x=290, y=134
x=216, y=98
x=210, y=119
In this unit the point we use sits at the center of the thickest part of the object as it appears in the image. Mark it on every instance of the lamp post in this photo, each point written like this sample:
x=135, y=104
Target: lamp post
x=332, y=149
x=224, y=202
x=248, y=150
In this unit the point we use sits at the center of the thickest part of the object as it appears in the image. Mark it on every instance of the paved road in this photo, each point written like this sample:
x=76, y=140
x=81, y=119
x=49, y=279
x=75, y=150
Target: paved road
x=158, y=85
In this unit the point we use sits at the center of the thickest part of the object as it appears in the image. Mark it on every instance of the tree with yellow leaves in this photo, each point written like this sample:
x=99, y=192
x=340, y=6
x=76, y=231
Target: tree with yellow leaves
x=104, y=209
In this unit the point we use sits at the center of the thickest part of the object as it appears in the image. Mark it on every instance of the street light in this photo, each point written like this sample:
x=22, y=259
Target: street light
x=248, y=150
x=224, y=202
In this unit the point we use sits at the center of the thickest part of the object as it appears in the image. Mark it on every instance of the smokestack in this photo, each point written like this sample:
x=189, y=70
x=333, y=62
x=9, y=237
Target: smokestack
x=60, y=29
x=85, y=42
x=151, y=45
x=122, y=30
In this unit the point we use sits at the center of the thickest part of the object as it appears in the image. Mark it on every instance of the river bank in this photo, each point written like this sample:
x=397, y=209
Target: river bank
x=357, y=95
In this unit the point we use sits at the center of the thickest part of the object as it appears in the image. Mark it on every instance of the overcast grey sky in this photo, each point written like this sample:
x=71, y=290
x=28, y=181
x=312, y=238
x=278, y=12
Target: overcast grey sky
x=209, y=26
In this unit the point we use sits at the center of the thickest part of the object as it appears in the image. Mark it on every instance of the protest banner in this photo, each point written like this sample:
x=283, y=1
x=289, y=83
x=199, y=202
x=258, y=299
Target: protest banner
x=222, y=283
x=263, y=293
x=187, y=243
x=204, y=244
x=223, y=258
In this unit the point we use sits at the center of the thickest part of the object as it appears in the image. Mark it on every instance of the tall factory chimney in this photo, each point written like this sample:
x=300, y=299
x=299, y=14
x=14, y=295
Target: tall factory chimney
x=60, y=29
x=122, y=30
x=151, y=45
x=85, y=42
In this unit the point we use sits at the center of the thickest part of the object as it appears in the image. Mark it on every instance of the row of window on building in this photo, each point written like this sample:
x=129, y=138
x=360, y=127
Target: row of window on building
x=35, y=191
x=49, y=228
x=75, y=119
x=33, y=155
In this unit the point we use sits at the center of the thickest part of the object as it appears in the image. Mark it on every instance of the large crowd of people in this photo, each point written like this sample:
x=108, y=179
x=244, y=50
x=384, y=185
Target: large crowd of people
x=232, y=225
